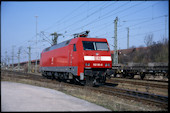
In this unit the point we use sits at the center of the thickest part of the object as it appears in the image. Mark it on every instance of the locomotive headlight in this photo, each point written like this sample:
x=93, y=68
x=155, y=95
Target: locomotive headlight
x=88, y=64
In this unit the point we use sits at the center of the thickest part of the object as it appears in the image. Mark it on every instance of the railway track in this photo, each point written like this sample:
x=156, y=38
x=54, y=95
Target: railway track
x=138, y=79
x=156, y=84
x=146, y=98
x=143, y=97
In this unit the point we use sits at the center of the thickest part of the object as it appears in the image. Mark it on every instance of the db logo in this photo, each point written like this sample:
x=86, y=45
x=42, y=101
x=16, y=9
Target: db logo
x=97, y=57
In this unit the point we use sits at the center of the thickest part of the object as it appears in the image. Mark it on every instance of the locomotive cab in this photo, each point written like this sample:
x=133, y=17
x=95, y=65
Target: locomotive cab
x=97, y=60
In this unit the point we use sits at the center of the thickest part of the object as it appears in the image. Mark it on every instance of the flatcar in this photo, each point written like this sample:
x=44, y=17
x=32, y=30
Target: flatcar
x=82, y=60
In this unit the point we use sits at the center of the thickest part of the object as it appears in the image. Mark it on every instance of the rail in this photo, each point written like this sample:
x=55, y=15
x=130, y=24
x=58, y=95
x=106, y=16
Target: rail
x=147, y=98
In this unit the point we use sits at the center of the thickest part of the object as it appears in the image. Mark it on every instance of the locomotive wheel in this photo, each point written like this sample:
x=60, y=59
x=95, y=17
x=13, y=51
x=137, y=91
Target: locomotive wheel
x=71, y=81
x=89, y=80
x=59, y=79
x=142, y=76
x=114, y=75
x=124, y=75
x=83, y=83
x=52, y=77
x=131, y=75
x=96, y=82
x=43, y=75
x=76, y=81
x=103, y=80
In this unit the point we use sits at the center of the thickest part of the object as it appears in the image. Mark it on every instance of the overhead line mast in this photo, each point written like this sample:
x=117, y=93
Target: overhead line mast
x=36, y=47
x=127, y=37
x=13, y=57
x=165, y=26
x=29, y=60
x=115, y=57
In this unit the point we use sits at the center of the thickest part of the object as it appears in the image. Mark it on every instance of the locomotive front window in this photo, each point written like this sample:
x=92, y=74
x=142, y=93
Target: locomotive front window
x=89, y=45
x=101, y=46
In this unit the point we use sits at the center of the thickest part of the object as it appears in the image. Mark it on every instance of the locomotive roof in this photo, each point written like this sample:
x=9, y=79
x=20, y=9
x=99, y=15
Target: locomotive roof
x=62, y=44
x=65, y=43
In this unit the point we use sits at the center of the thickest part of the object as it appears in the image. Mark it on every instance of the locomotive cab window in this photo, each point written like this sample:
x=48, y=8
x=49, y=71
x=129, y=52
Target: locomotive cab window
x=102, y=46
x=89, y=45
x=74, y=47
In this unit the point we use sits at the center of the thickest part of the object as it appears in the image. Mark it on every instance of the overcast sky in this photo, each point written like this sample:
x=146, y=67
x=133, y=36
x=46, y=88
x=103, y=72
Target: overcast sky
x=18, y=23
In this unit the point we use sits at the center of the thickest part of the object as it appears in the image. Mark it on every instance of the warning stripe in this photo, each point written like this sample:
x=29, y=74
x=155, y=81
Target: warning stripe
x=97, y=58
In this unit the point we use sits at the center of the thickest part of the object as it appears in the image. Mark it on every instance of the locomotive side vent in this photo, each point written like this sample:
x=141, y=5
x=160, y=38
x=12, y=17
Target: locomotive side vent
x=82, y=34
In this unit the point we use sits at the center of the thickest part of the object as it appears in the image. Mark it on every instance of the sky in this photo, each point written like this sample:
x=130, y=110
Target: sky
x=19, y=23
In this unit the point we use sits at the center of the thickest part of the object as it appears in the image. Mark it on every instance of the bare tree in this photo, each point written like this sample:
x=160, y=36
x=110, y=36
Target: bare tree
x=148, y=40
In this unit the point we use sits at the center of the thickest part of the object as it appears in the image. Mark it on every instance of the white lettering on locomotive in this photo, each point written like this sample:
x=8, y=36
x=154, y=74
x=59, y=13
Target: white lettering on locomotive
x=97, y=64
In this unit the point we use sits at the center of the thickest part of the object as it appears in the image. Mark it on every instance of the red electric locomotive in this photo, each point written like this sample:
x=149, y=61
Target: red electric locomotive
x=83, y=60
